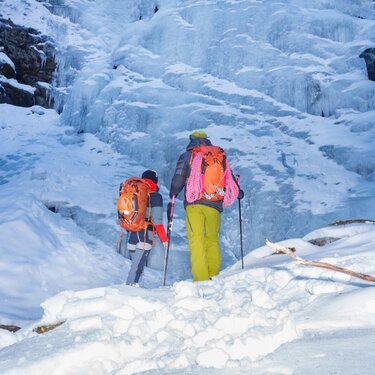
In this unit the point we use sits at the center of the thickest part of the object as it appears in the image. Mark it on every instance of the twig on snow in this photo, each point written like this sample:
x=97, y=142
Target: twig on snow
x=345, y=222
x=292, y=253
x=47, y=327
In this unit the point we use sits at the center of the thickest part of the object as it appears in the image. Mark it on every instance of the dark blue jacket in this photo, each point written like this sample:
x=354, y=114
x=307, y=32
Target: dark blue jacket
x=183, y=172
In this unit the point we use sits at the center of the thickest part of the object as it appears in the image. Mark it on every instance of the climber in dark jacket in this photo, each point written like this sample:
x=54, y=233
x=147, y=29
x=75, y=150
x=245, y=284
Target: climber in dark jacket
x=203, y=217
x=198, y=138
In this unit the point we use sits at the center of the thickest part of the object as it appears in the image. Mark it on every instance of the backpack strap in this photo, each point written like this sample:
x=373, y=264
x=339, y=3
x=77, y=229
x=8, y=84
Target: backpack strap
x=231, y=189
x=194, y=183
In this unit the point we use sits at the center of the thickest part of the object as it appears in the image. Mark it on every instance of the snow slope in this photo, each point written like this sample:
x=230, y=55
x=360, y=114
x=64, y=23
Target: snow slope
x=229, y=323
x=257, y=76
x=58, y=226
x=251, y=320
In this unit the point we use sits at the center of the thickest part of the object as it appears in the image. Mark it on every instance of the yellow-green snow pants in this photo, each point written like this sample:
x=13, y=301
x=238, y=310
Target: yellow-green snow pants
x=203, y=227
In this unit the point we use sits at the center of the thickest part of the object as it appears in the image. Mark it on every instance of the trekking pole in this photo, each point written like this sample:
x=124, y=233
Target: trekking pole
x=169, y=232
x=119, y=242
x=240, y=217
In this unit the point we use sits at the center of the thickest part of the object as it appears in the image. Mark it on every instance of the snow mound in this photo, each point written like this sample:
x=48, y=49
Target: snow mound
x=227, y=323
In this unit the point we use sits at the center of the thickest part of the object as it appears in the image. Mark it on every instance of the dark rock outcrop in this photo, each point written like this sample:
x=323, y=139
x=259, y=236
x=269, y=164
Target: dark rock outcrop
x=7, y=70
x=10, y=328
x=369, y=56
x=12, y=93
x=33, y=57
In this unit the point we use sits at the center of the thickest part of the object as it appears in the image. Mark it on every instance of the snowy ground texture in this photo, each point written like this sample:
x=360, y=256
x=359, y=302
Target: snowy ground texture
x=228, y=325
x=281, y=86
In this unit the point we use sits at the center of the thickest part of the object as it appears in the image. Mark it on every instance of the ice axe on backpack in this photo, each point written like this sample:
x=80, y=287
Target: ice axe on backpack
x=119, y=246
x=240, y=217
x=169, y=232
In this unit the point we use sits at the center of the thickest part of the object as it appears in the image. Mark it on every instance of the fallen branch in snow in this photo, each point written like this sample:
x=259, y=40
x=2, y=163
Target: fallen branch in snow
x=291, y=252
x=280, y=250
x=10, y=328
x=344, y=222
x=47, y=327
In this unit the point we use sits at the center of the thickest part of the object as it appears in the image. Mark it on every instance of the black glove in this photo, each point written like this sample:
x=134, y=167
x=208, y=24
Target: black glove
x=169, y=211
x=241, y=194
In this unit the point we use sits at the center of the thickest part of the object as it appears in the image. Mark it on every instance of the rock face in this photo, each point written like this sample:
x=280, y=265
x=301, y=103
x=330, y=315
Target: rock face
x=369, y=56
x=27, y=66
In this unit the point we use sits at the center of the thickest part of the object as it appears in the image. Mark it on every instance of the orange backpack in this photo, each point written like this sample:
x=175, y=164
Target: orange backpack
x=133, y=204
x=212, y=172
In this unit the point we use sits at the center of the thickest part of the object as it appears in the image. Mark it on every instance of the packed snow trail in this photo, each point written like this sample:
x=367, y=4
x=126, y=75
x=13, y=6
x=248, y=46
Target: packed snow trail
x=228, y=323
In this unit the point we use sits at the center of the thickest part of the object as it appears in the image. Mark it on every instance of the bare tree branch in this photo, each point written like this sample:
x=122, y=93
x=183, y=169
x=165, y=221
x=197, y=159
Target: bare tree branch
x=345, y=222
x=291, y=252
x=47, y=327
